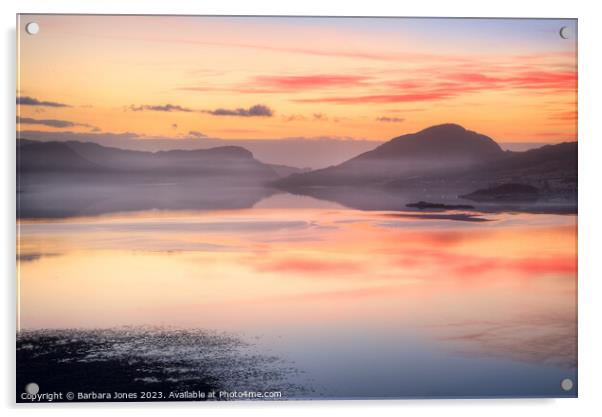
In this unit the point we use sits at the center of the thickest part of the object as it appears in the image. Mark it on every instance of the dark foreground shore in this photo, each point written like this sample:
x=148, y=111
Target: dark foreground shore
x=144, y=364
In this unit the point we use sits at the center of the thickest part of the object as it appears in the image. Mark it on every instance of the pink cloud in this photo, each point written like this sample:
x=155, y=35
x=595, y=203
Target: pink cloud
x=566, y=115
x=266, y=84
x=312, y=81
x=452, y=84
x=379, y=98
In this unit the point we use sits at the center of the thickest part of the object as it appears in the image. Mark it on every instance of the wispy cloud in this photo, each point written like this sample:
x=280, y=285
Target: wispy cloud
x=258, y=110
x=52, y=123
x=388, y=119
x=307, y=82
x=565, y=115
x=197, y=134
x=403, y=110
x=273, y=84
x=529, y=79
x=378, y=98
x=445, y=84
x=164, y=108
x=31, y=101
x=330, y=52
x=293, y=117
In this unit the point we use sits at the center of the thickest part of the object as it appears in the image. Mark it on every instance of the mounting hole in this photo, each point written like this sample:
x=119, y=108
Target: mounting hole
x=32, y=28
x=566, y=384
x=565, y=32
x=32, y=388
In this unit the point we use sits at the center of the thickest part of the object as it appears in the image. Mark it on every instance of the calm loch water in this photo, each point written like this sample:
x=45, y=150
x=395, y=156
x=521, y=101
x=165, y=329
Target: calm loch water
x=353, y=304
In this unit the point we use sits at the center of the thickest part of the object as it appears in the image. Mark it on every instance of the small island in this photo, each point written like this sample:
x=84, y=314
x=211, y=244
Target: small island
x=423, y=205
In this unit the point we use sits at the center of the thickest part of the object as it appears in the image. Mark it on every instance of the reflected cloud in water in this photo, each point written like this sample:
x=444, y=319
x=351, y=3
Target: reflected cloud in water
x=491, y=300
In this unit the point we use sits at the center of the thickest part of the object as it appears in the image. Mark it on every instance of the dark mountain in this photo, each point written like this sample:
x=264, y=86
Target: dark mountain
x=436, y=149
x=51, y=157
x=89, y=158
x=451, y=141
x=550, y=165
x=437, y=165
x=444, y=154
x=440, y=164
x=551, y=161
x=62, y=179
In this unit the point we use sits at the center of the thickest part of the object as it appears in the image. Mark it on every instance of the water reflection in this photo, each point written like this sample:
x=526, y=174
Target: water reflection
x=348, y=296
x=549, y=338
x=75, y=199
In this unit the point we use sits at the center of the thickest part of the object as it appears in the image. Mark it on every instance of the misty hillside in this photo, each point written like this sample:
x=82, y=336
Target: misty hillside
x=435, y=149
x=79, y=158
x=443, y=153
x=63, y=179
x=447, y=164
x=441, y=164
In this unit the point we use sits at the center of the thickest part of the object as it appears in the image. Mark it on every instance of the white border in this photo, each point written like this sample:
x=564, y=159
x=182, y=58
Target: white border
x=590, y=200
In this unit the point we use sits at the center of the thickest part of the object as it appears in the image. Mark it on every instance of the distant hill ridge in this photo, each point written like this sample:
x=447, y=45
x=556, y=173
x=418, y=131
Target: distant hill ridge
x=440, y=151
x=438, y=154
x=88, y=157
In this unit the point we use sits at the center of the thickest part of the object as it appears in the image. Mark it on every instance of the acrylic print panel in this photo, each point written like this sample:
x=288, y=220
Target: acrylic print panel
x=276, y=208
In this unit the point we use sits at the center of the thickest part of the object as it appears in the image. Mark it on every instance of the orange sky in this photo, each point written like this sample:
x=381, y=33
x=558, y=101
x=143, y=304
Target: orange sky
x=180, y=77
